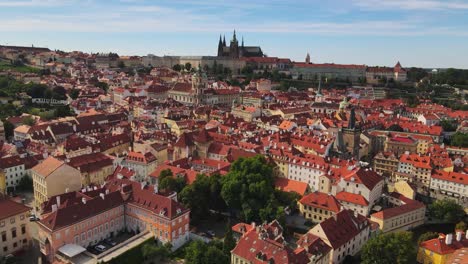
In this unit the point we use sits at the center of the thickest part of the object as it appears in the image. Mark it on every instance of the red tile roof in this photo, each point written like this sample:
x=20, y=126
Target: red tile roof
x=321, y=200
x=438, y=245
x=352, y=198
x=343, y=227
x=10, y=208
x=455, y=177
x=399, y=210
x=287, y=185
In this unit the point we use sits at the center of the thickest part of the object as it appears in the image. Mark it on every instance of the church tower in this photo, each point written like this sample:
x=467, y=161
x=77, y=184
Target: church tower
x=352, y=135
x=307, y=60
x=234, y=47
x=220, y=47
x=198, y=85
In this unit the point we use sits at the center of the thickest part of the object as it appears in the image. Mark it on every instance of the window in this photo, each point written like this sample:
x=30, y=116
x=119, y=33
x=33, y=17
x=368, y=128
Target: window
x=13, y=233
x=5, y=249
x=4, y=238
x=12, y=220
x=23, y=229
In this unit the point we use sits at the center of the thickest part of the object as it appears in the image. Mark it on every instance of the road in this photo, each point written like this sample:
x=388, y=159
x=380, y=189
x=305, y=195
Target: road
x=32, y=254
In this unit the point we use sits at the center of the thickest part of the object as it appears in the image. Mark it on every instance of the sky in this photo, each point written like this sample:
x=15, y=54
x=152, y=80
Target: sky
x=419, y=33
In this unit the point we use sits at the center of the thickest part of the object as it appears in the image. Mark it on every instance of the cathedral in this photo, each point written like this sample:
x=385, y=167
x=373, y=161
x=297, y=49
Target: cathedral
x=234, y=51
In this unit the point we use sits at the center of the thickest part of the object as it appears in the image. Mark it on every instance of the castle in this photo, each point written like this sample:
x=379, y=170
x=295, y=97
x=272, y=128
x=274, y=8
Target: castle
x=234, y=51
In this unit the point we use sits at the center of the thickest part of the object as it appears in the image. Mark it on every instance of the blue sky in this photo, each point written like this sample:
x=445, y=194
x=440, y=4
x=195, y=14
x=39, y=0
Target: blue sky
x=425, y=33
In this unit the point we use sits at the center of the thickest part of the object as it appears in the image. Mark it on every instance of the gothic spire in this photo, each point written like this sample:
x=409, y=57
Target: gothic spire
x=352, y=119
x=242, y=41
x=234, y=37
x=224, y=40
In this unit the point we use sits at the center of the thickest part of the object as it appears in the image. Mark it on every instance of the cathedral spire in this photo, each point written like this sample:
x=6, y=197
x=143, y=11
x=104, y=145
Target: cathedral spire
x=234, y=36
x=242, y=41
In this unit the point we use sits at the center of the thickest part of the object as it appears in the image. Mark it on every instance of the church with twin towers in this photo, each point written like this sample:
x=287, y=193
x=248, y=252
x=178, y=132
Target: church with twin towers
x=235, y=51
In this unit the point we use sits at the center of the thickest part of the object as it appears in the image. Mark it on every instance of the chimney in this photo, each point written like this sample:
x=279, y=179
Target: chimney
x=448, y=239
x=54, y=207
x=102, y=195
x=107, y=192
x=58, y=201
x=459, y=236
x=83, y=200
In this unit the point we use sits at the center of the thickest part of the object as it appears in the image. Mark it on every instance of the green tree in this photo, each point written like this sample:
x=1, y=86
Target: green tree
x=168, y=182
x=188, y=66
x=427, y=236
x=121, y=64
x=249, y=188
x=74, y=93
x=461, y=226
x=177, y=67
x=29, y=121
x=198, y=252
x=229, y=242
x=25, y=183
x=395, y=127
x=447, y=210
x=203, y=194
x=9, y=128
x=459, y=139
x=389, y=248
x=104, y=86
x=448, y=125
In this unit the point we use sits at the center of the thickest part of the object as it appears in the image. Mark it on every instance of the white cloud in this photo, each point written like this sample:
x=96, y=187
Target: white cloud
x=411, y=5
x=33, y=3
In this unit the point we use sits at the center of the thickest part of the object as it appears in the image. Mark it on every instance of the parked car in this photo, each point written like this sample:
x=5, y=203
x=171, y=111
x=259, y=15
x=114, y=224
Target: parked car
x=110, y=242
x=100, y=248
x=211, y=233
x=33, y=218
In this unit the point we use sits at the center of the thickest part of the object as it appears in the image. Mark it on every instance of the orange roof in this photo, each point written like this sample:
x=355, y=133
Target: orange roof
x=287, y=185
x=416, y=160
x=439, y=246
x=352, y=198
x=321, y=200
x=451, y=176
x=399, y=210
x=48, y=166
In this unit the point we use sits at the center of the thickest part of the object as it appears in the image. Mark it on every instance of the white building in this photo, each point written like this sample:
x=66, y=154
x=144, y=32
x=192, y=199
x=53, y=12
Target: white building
x=452, y=184
x=346, y=233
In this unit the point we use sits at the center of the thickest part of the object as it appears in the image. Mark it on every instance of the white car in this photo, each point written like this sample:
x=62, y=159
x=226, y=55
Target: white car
x=100, y=248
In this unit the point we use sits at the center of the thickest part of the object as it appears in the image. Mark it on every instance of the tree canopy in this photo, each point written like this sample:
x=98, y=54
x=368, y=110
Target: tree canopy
x=202, y=195
x=249, y=189
x=168, y=182
x=427, y=236
x=459, y=139
x=198, y=252
x=389, y=248
x=447, y=210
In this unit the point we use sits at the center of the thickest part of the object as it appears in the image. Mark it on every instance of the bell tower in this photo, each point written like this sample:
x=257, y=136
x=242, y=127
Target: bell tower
x=198, y=85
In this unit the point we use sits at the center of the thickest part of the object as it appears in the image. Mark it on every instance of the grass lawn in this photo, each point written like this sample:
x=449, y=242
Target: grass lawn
x=5, y=65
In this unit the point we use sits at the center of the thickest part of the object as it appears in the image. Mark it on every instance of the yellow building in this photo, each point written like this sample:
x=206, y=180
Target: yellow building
x=385, y=164
x=53, y=177
x=2, y=182
x=404, y=188
x=94, y=168
x=14, y=233
x=318, y=206
x=403, y=217
x=439, y=250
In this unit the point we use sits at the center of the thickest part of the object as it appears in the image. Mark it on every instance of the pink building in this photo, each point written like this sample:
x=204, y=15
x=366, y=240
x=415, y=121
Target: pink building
x=84, y=218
